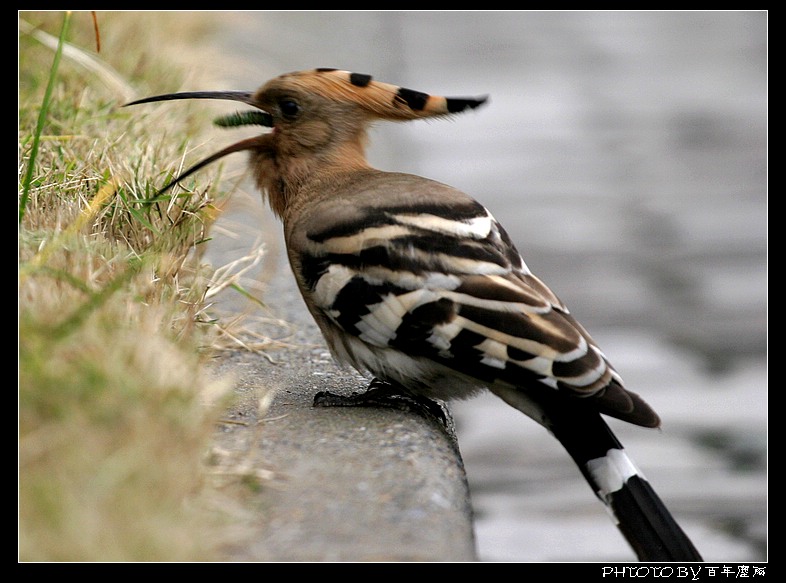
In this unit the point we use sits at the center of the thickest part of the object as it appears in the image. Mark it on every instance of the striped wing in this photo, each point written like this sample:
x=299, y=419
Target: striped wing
x=442, y=280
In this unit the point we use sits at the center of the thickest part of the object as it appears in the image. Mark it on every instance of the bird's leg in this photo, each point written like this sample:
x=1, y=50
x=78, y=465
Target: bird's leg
x=390, y=395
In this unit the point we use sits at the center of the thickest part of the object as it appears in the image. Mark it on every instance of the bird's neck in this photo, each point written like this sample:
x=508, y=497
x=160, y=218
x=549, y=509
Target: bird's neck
x=285, y=178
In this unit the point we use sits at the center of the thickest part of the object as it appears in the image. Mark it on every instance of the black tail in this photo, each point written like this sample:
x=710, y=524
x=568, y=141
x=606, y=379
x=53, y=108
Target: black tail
x=641, y=516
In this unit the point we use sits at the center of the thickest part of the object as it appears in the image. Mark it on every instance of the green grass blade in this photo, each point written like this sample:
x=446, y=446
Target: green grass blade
x=42, y=116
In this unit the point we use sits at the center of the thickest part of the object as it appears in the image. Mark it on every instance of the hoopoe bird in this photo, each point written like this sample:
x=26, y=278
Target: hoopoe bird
x=416, y=283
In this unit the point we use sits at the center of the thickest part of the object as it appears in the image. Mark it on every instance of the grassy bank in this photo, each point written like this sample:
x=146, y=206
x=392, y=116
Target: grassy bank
x=116, y=408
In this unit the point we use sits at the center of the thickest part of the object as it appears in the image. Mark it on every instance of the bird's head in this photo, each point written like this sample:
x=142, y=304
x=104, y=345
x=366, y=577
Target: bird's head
x=318, y=120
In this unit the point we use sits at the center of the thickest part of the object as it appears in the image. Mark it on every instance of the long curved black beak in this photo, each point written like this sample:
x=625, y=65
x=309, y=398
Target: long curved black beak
x=242, y=96
x=257, y=117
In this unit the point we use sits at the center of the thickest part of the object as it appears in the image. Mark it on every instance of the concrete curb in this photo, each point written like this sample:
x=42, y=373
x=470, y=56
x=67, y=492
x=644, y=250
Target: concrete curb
x=346, y=484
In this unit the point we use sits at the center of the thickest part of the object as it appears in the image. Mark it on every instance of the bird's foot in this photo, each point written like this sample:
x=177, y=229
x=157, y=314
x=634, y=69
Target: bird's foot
x=389, y=395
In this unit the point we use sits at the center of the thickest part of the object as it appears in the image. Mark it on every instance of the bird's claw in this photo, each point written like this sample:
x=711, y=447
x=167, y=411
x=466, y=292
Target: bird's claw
x=382, y=394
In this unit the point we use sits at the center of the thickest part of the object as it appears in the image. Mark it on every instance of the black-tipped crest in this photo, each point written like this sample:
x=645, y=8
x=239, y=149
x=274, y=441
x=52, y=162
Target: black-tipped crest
x=381, y=100
x=457, y=104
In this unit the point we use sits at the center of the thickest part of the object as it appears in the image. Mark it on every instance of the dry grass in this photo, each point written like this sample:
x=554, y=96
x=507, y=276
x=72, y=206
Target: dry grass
x=116, y=409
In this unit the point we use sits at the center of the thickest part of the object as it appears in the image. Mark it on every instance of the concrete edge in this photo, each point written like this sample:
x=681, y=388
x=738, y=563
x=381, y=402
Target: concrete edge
x=343, y=484
x=340, y=484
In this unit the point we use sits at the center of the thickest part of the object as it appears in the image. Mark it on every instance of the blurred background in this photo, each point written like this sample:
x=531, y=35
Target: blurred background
x=626, y=154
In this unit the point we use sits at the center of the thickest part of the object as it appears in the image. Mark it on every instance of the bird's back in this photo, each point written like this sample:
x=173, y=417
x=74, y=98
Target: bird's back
x=416, y=282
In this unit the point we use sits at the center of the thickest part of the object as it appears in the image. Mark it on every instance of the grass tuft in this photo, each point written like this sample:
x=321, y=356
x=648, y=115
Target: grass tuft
x=116, y=407
x=42, y=114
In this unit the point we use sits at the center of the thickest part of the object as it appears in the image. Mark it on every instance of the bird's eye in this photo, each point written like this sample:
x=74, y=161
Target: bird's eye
x=289, y=108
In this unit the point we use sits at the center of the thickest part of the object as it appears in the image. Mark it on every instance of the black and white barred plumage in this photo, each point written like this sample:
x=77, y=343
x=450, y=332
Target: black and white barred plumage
x=423, y=270
x=416, y=283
